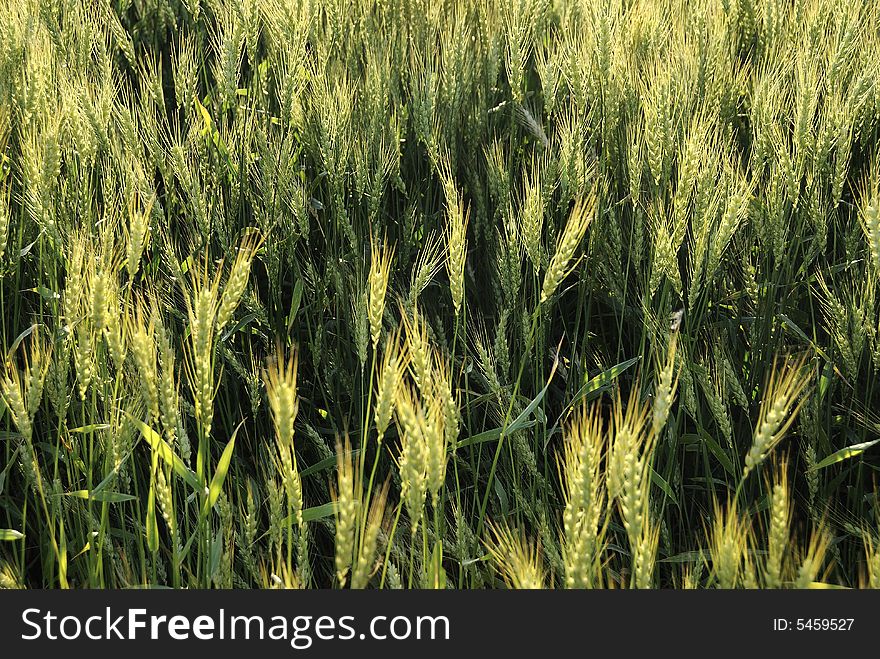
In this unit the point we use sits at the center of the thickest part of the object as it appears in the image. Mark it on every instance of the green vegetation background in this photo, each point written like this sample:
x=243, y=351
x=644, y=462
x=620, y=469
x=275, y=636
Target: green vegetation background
x=424, y=293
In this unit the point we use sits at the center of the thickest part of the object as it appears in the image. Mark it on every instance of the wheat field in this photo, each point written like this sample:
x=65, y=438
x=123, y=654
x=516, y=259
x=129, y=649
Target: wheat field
x=439, y=293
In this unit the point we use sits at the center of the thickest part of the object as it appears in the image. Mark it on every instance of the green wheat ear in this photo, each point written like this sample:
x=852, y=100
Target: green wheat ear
x=238, y=277
x=780, y=403
x=412, y=462
x=869, y=217
x=583, y=483
x=727, y=543
x=346, y=495
x=872, y=552
x=4, y=221
x=575, y=228
x=517, y=558
x=779, y=533
x=381, y=258
x=457, y=217
x=391, y=371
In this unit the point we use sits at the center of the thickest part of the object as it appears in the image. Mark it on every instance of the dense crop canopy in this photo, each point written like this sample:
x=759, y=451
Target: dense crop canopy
x=420, y=293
